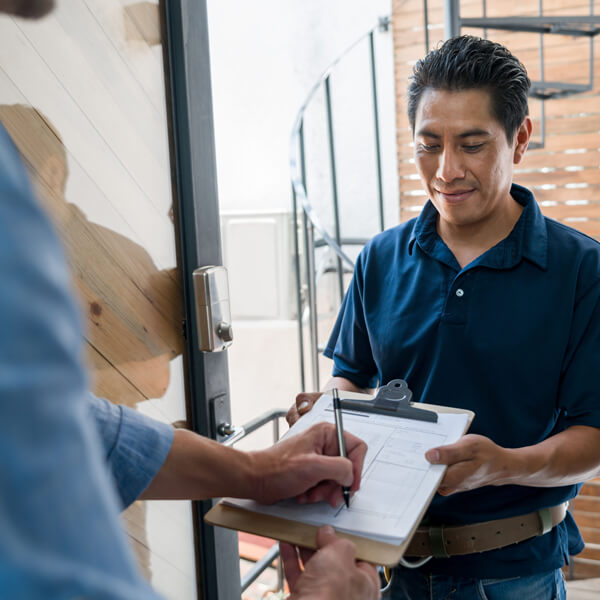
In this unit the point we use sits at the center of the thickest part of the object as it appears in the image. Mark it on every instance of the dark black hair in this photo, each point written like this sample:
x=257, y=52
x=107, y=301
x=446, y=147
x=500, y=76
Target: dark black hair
x=468, y=62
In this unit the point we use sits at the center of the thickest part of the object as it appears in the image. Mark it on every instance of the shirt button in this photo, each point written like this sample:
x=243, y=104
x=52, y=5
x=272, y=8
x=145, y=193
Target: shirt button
x=460, y=293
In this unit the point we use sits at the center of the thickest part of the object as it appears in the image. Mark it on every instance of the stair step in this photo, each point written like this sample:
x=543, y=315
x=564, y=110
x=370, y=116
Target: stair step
x=586, y=519
x=253, y=547
x=320, y=243
x=591, y=551
x=590, y=535
x=591, y=488
x=584, y=568
x=545, y=90
x=586, y=504
x=564, y=25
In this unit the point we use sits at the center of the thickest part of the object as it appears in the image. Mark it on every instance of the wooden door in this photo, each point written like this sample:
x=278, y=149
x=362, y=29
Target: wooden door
x=82, y=93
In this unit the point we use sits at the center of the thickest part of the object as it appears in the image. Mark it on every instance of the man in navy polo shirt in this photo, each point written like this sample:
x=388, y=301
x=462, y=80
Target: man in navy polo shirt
x=482, y=303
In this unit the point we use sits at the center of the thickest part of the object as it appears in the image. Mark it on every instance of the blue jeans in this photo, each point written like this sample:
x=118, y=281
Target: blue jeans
x=412, y=585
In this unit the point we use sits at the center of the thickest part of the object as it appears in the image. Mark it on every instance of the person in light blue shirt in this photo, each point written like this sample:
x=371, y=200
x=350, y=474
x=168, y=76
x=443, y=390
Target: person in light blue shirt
x=69, y=462
x=58, y=508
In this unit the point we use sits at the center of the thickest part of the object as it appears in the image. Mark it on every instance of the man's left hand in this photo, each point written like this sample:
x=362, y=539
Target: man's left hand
x=330, y=573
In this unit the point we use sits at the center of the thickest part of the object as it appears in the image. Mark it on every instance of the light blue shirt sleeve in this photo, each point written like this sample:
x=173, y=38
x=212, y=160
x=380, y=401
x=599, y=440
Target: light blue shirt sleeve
x=60, y=533
x=134, y=446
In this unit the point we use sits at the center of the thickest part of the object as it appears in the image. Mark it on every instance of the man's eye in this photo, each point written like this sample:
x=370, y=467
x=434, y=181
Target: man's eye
x=427, y=148
x=473, y=147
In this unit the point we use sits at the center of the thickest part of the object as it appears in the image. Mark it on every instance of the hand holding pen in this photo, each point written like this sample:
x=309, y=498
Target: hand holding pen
x=339, y=425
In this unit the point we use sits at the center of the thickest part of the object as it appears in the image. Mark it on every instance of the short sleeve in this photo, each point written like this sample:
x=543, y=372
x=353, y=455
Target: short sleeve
x=579, y=394
x=135, y=446
x=349, y=344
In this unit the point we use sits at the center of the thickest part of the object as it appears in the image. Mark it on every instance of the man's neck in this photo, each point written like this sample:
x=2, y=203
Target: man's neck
x=468, y=242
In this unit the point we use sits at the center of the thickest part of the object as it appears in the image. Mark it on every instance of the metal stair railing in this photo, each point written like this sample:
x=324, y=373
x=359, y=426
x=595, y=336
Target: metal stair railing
x=573, y=26
x=233, y=436
x=306, y=219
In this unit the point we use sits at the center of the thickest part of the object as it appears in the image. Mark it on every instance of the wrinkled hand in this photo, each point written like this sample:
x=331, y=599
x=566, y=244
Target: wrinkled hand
x=304, y=402
x=473, y=461
x=330, y=573
x=308, y=466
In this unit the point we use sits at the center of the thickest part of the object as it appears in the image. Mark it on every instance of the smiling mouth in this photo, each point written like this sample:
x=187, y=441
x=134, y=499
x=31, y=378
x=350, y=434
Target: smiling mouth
x=456, y=196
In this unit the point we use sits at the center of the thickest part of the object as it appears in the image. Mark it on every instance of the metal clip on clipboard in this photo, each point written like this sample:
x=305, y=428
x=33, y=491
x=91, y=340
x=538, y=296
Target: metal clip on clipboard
x=394, y=400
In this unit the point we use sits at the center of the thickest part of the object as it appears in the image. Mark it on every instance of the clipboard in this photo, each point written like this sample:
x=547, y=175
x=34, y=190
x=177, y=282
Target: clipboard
x=393, y=399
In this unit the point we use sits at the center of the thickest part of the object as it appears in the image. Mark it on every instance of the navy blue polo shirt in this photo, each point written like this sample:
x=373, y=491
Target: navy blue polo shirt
x=514, y=336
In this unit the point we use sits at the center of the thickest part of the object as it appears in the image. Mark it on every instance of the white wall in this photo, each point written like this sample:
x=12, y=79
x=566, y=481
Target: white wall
x=266, y=55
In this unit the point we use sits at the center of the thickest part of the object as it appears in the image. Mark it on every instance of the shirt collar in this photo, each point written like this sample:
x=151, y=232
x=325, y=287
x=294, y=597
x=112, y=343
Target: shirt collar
x=528, y=239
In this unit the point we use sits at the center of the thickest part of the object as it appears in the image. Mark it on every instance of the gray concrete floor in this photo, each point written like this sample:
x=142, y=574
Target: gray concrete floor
x=264, y=587
x=583, y=589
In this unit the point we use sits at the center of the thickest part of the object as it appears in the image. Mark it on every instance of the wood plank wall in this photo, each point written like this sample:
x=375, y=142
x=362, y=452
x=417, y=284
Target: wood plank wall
x=564, y=175
x=586, y=510
x=82, y=95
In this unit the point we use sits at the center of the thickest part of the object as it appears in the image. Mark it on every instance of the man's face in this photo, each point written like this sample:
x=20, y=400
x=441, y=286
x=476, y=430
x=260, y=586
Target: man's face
x=463, y=157
x=32, y=9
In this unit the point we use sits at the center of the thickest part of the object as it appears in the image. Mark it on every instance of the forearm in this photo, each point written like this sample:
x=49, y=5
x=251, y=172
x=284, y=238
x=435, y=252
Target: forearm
x=566, y=458
x=307, y=465
x=569, y=457
x=197, y=468
x=346, y=385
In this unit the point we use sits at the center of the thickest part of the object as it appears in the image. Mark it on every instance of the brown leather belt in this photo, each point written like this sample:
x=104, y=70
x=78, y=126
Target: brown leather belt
x=445, y=541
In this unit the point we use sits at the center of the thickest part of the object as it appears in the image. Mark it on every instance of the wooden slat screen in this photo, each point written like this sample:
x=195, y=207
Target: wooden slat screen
x=586, y=510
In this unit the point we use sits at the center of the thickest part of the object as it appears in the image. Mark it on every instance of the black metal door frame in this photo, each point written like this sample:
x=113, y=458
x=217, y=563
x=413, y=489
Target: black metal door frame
x=189, y=92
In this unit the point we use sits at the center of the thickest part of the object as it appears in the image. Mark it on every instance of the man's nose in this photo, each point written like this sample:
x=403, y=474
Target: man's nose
x=450, y=166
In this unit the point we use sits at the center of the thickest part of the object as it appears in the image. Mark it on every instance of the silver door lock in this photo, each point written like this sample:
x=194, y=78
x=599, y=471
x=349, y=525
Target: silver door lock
x=211, y=289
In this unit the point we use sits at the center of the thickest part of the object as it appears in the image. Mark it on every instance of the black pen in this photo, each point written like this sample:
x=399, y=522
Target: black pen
x=339, y=425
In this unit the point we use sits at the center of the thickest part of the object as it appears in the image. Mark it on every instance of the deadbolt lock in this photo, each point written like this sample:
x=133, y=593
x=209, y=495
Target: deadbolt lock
x=211, y=289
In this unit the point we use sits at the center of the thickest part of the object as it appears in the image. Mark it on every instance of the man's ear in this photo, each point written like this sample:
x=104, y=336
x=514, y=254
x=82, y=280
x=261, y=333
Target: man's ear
x=522, y=138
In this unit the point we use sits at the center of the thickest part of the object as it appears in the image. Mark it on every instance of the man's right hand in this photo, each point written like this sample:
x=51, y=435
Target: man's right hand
x=330, y=573
x=306, y=466
x=304, y=403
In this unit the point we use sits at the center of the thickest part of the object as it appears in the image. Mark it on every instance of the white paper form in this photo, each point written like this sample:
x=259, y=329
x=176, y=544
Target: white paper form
x=396, y=482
